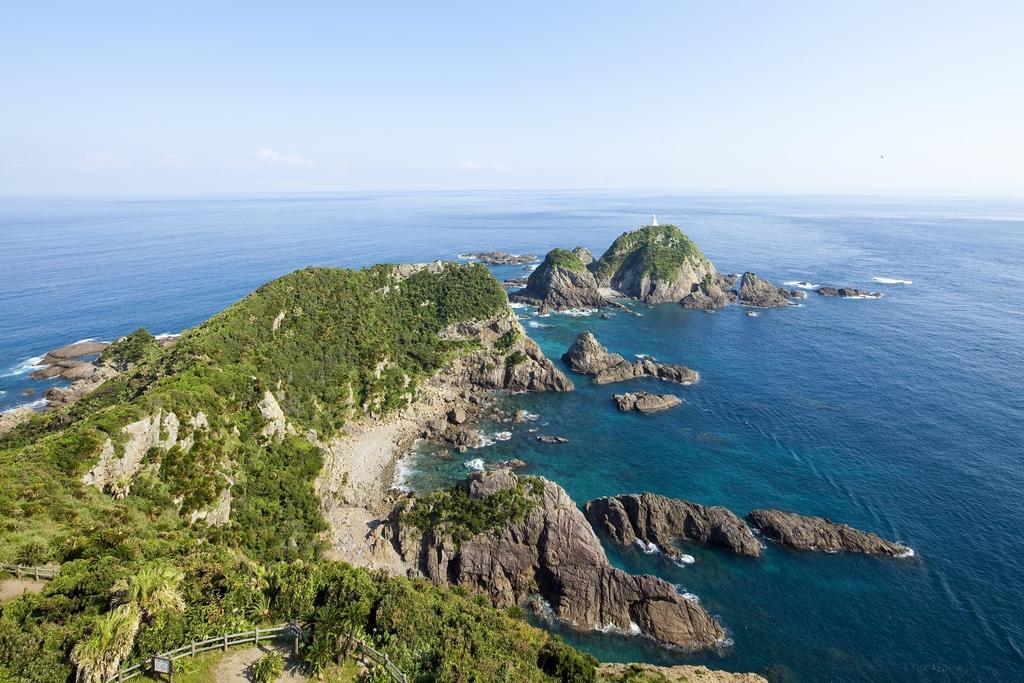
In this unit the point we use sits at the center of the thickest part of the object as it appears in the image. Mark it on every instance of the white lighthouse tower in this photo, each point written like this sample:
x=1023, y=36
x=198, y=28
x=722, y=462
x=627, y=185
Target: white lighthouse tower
x=654, y=220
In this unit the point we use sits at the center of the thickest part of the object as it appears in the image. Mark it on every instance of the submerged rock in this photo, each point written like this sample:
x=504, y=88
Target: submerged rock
x=588, y=357
x=656, y=519
x=827, y=291
x=805, y=532
x=545, y=438
x=553, y=552
x=848, y=292
x=645, y=402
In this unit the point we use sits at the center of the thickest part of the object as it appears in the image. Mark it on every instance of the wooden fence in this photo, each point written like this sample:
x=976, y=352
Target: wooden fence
x=244, y=638
x=24, y=571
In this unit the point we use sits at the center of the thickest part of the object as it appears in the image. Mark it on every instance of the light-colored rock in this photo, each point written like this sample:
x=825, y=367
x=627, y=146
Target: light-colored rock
x=114, y=473
x=683, y=673
x=805, y=532
x=646, y=402
x=588, y=357
x=276, y=426
x=9, y=419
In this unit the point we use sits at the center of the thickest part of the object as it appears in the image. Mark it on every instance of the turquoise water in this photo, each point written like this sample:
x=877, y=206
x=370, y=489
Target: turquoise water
x=901, y=415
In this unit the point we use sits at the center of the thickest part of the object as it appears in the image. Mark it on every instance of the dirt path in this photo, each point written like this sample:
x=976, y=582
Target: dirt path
x=234, y=667
x=13, y=588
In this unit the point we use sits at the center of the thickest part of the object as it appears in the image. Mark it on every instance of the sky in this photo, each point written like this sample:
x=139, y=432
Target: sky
x=214, y=97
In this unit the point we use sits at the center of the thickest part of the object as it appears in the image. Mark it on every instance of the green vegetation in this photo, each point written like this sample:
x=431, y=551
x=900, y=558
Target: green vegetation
x=635, y=674
x=137, y=578
x=268, y=668
x=137, y=346
x=659, y=251
x=562, y=258
x=452, y=513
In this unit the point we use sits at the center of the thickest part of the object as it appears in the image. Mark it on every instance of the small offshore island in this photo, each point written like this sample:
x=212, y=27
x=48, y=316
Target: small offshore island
x=242, y=474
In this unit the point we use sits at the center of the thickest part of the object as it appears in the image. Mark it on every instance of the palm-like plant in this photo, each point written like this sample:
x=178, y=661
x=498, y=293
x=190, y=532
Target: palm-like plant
x=317, y=655
x=354, y=615
x=154, y=588
x=97, y=657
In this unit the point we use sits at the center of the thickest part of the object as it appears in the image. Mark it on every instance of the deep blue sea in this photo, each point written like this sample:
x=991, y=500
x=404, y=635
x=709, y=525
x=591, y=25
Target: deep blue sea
x=902, y=415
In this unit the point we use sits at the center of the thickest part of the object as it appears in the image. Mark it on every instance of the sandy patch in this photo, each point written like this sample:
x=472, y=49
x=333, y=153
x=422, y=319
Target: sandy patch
x=234, y=666
x=14, y=588
x=356, y=483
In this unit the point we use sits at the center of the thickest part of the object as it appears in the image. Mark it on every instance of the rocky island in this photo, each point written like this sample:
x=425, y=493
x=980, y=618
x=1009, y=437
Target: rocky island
x=654, y=264
x=500, y=258
x=588, y=357
x=646, y=402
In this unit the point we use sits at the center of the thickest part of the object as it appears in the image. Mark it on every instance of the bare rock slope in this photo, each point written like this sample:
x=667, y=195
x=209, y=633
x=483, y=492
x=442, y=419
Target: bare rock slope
x=588, y=357
x=805, y=532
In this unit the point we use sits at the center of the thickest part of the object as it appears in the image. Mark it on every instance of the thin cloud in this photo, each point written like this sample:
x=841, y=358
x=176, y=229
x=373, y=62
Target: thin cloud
x=101, y=159
x=470, y=166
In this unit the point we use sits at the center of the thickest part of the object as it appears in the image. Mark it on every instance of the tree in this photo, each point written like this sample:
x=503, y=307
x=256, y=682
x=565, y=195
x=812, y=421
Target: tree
x=98, y=656
x=354, y=615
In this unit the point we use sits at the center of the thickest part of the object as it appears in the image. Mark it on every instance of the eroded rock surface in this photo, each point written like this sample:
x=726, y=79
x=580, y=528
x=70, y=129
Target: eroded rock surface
x=757, y=292
x=555, y=553
x=562, y=281
x=711, y=293
x=805, y=532
x=645, y=402
x=656, y=519
x=588, y=357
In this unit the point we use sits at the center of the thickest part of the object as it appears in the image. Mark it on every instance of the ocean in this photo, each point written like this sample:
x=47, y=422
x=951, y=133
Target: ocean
x=901, y=415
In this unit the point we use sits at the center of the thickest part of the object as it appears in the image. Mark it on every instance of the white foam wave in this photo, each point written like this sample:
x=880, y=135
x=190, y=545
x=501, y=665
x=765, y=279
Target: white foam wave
x=864, y=296
x=536, y=325
x=516, y=304
x=641, y=355
x=684, y=560
x=910, y=553
x=648, y=548
x=892, y=281
x=476, y=464
x=485, y=441
x=502, y=436
x=531, y=417
x=166, y=335
x=532, y=268
x=578, y=312
x=24, y=367
x=691, y=597
x=403, y=473
x=800, y=284
x=34, y=405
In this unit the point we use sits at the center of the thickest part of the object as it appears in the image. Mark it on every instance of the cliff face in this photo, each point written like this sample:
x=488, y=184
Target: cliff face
x=655, y=264
x=656, y=519
x=561, y=281
x=552, y=551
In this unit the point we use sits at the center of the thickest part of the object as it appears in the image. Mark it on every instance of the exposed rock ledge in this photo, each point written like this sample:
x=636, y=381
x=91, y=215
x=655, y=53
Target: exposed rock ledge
x=805, y=532
x=656, y=519
x=683, y=673
x=646, y=402
x=555, y=553
x=588, y=357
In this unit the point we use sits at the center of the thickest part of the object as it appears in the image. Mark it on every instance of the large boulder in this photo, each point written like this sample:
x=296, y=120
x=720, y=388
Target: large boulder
x=553, y=552
x=588, y=357
x=655, y=264
x=562, y=281
x=656, y=519
x=757, y=292
x=805, y=532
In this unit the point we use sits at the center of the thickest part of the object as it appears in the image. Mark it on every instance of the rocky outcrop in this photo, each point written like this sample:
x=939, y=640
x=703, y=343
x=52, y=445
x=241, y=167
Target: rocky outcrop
x=655, y=264
x=548, y=438
x=554, y=553
x=500, y=258
x=584, y=255
x=651, y=518
x=562, y=281
x=276, y=426
x=710, y=294
x=757, y=292
x=588, y=357
x=508, y=358
x=118, y=465
x=76, y=350
x=848, y=292
x=804, y=532
x=9, y=419
x=645, y=402
x=681, y=673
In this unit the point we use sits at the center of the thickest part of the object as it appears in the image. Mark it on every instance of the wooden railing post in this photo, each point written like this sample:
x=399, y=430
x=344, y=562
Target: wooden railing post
x=225, y=642
x=257, y=636
x=18, y=571
x=193, y=648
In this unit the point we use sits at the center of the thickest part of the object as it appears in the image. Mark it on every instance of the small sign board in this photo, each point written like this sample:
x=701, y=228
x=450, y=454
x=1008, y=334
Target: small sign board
x=162, y=665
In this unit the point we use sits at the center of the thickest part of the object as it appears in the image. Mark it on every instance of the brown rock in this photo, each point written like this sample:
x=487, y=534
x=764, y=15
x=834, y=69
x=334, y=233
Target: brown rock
x=656, y=519
x=554, y=552
x=757, y=292
x=588, y=357
x=805, y=532
x=682, y=673
x=645, y=402
x=77, y=350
